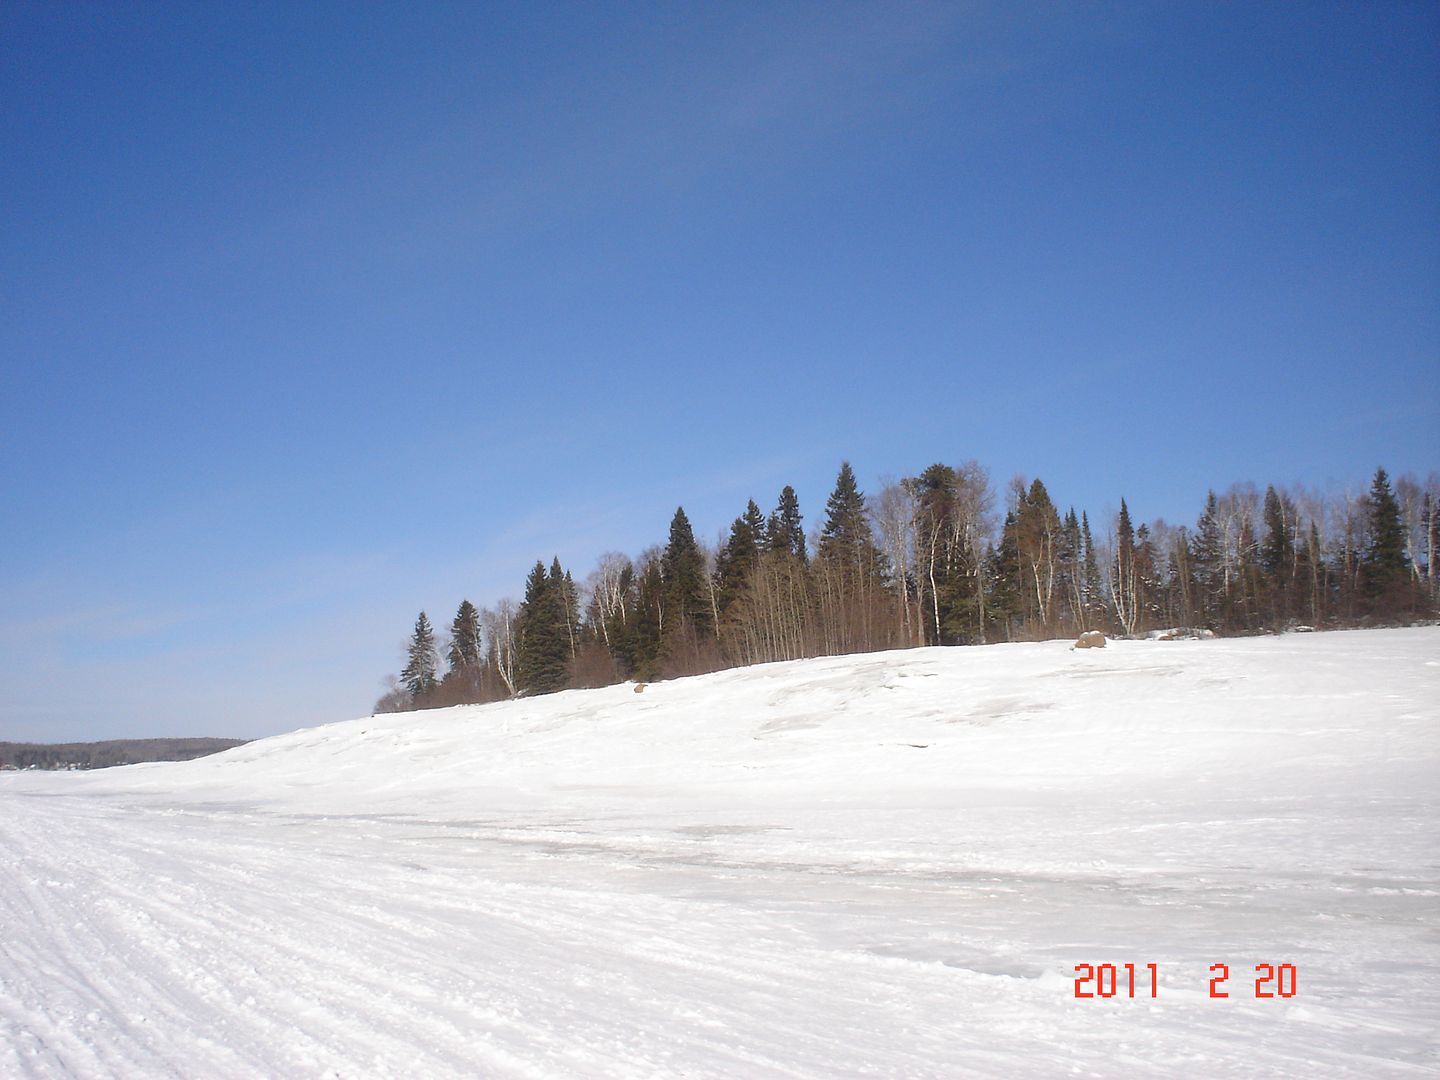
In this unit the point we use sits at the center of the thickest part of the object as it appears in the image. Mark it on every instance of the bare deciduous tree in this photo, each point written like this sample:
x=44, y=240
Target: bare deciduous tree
x=499, y=627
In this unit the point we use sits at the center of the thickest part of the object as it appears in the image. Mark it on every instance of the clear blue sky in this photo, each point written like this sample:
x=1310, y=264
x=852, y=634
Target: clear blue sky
x=313, y=315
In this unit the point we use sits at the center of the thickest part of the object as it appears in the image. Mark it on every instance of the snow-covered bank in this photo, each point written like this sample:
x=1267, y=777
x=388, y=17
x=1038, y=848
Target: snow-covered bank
x=860, y=866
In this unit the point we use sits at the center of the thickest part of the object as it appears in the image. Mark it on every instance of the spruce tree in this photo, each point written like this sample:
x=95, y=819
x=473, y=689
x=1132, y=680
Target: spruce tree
x=785, y=532
x=465, y=638
x=542, y=637
x=1125, y=588
x=1179, y=582
x=1383, y=560
x=1311, y=574
x=1037, y=529
x=418, y=676
x=1149, y=587
x=1070, y=580
x=650, y=621
x=845, y=538
x=1006, y=587
x=946, y=606
x=568, y=599
x=1277, y=553
x=854, y=609
x=529, y=629
x=682, y=568
x=1207, y=556
x=738, y=558
x=1094, y=588
x=1277, y=550
x=756, y=521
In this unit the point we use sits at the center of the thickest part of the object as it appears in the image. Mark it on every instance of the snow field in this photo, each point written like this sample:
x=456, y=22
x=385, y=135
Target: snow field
x=884, y=865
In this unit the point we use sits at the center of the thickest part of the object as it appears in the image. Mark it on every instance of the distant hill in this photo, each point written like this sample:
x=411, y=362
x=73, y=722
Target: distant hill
x=101, y=755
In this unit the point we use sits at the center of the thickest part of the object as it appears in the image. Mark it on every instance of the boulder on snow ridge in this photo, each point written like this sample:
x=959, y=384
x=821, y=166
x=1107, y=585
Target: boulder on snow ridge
x=1090, y=639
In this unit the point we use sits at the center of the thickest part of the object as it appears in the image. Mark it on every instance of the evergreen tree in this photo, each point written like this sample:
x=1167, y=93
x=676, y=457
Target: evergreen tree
x=1248, y=579
x=1094, y=590
x=738, y=558
x=949, y=610
x=1383, y=561
x=1207, y=556
x=1069, y=575
x=650, y=619
x=1311, y=575
x=542, y=636
x=465, y=638
x=1007, y=601
x=785, y=532
x=845, y=538
x=569, y=600
x=1037, y=532
x=462, y=684
x=755, y=521
x=1149, y=587
x=1179, y=581
x=856, y=613
x=1430, y=530
x=1125, y=583
x=1277, y=553
x=682, y=568
x=1277, y=550
x=418, y=676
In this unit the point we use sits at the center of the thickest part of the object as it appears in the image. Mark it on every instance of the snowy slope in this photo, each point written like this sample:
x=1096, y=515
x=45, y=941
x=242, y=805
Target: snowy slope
x=886, y=865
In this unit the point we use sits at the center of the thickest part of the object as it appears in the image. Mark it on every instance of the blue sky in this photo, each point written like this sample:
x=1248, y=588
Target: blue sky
x=315, y=315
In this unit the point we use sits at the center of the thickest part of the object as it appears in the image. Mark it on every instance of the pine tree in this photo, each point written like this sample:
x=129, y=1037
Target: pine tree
x=418, y=676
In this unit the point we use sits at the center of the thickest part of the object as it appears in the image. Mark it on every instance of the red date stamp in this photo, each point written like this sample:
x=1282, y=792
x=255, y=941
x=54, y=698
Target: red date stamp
x=1143, y=980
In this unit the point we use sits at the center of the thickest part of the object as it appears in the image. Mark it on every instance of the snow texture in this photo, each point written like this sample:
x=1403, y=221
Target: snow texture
x=883, y=865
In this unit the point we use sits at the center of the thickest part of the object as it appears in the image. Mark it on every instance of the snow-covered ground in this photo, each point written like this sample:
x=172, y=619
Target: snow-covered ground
x=885, y=865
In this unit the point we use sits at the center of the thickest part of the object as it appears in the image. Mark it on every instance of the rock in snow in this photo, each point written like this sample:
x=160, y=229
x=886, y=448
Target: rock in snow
x=898, y=864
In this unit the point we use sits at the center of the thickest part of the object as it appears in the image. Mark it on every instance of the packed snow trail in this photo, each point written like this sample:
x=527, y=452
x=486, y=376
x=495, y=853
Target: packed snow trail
x=863, y=866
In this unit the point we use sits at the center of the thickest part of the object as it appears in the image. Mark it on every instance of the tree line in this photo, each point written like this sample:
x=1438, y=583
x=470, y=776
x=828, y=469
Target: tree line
x=929, y=561
x=103, y=755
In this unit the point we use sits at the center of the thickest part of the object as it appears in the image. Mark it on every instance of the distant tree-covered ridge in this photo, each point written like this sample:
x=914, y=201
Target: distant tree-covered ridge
x=940, y=558
x=102, y=755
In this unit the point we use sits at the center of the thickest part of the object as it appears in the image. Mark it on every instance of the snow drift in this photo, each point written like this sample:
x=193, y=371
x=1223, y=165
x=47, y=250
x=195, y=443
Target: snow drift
x=880, y=865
